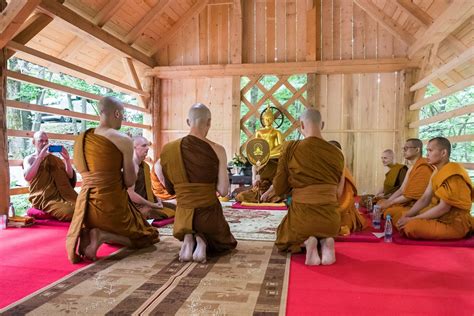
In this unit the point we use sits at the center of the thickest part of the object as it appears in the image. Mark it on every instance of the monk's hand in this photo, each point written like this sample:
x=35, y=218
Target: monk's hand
x=65, y=154
x=384, y=204
x=43, y=153
x=158, y=204
x=267, y=195
x=256, y=183
x=403, y=221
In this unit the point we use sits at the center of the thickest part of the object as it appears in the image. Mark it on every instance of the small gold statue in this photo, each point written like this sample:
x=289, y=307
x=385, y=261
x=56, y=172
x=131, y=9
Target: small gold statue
x=273, y=136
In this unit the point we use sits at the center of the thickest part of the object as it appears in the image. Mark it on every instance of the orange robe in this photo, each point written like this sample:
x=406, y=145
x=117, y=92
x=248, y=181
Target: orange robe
x=158, y=188
x=103, y=201
x=311, y=170
x=52, y=191
x=418, y=179
x=266, y=178
x=351, y=219
x=394, y=179
x=452, y=185
x=191, y=169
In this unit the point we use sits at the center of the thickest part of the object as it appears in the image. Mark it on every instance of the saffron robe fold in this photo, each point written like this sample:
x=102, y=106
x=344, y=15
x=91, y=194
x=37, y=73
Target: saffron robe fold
x=266, y=178
x=52, y=191
x=452, y=185
x=144, y=189
x=310, y=169
x=418, y=179
x=158, y=188
x=103, y=201
x=394, y=179
x=351, y=219
x=191, y=168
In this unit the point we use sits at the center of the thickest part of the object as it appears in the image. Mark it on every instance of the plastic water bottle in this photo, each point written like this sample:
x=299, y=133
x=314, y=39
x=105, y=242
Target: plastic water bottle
x=388, y=229
x=11, y=210
x=369, y=205
x=376, y=217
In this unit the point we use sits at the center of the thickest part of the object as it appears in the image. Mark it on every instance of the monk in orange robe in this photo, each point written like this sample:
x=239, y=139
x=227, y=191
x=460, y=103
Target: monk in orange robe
x=394, y=177
x=104, y=212
x=158, y=186
x=51, y=179
x=195, y=168
x=261, y=185
x=311, y=170
x=415, y=183
x=141, y=192
x=443, y=212
x=351, y=219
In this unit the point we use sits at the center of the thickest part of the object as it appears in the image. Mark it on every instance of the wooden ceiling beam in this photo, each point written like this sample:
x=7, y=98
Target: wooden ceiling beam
x=30, y=29
x=13, y=16
x=132, y=74
x=69, y=66
x=386, y=21
x=107, y=12
x=320, y=67
x=452, y=64
x=133, y=35
x=195, y=10
x=70, y=17
x=449, y=20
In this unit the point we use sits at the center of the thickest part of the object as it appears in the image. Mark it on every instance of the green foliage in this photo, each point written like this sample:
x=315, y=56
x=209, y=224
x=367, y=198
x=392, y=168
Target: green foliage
x=20, y=203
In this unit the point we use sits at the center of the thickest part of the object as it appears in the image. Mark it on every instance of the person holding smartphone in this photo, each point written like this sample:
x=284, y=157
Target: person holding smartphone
x=52, y=179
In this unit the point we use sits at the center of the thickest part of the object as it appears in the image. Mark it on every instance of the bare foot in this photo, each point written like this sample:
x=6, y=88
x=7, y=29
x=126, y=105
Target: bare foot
x=328, y=251
x=199, y=254
x=312, y=255
x=84, y=241
x=186, y=252
x=95, y=236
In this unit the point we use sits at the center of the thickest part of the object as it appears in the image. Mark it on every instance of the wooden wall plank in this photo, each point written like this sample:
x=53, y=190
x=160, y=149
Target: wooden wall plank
x=291, y=31
x=301, y=30
x=248, y=31
x=223, y=45
x=280, y=30
x=346, y=27
x=336, y=28
x=213, y=34
x=260, y=32
x=270, y=31
x=327, y=30
x=203, y=38
x=4, y=170
x=359, y=32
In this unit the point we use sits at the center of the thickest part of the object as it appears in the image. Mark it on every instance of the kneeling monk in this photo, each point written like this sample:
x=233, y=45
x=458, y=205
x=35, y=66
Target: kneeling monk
x=195, y=168
x=443, y=212
x=104, y=212
x=312, y=169
x=351, y=219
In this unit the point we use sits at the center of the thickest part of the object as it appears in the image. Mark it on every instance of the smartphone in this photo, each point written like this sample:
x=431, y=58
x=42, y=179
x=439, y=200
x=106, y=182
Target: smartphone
x=55, y=148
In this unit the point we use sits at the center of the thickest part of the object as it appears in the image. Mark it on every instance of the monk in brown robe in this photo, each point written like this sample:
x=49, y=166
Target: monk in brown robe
x=443, y=212
x=158, y=186
x=141, y=192
x=104, y=211
x=415, y=183
x=261, y=185
x=351, y=219
x=194, y=168
x=52, y=180
x=394, y=177
x=311, y=169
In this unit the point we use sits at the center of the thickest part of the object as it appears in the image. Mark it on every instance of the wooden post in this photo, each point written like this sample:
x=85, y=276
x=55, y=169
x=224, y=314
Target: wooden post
x=155, y=110
x=4, y=169
x=313, y=91
x=235, y=144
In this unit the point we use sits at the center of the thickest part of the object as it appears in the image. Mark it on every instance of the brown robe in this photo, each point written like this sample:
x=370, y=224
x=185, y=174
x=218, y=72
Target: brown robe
x=351, y=219
x=143, y=188
x=266, y=178
x=191, y=167
x=52, y=191
x=158, y=188
x=311, y=169
x=418, y=179
x=394, y=179
x=103, y=201
x=451, y=184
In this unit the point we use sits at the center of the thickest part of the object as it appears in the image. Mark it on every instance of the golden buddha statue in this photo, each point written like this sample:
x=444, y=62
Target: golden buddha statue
x=273, y=136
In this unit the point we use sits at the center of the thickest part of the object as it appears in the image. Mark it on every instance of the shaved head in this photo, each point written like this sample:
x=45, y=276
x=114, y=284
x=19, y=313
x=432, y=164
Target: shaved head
x=311, y=123
x=311, y=117
x=442, y=143
x=388, y=157
x=109, y=105
x=38, y=135
x=138, y=140
x=199, y=115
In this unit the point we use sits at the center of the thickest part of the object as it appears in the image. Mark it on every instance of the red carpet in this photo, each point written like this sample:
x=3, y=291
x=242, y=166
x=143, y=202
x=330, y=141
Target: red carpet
x=384, y=279
x=33, y=257
x=239, y=206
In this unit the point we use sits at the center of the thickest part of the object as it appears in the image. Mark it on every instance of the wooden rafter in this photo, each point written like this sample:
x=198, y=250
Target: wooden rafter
x=71, y=49
x=452, y=64
x=13, y=16
x=104, y=15
x=444, y=116
x=445, y=24
x=156, y=11
x=385, y=21
x=134, y=80
x=90, y=29
x=30, y=29
x=69, y=66
x=195, y=10
x=320, y=67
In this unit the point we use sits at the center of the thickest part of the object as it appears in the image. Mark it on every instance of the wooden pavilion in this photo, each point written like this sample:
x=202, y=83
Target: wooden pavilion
x=367, y=62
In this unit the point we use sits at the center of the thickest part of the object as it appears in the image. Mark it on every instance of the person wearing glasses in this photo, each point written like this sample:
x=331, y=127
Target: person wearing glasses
x=415, y=183
x=443, y=212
